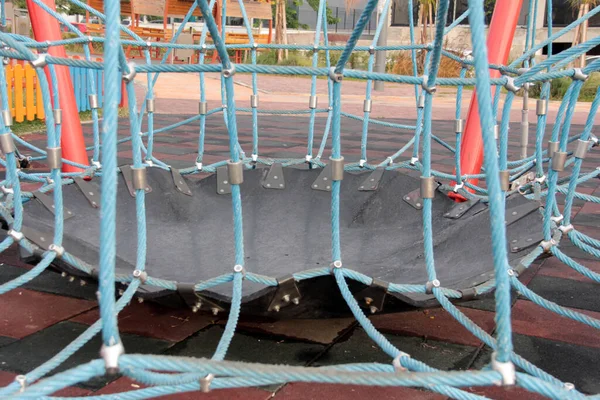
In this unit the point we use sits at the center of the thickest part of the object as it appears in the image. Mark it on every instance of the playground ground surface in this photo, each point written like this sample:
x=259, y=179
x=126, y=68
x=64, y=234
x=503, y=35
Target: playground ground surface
x=41, y=318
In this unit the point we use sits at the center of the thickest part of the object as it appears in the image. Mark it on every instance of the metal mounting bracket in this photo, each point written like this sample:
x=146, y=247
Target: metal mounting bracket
x=516, y=213
x=196, y=302
x=88, y=191
x=48, y=202
x=324, y=180
x=414, y=199
x=287, y=293
x=460, y=209
x=180, y=182
x=372, y=182
x=223, y=186
x=128, y=177
x=274, y=177
x=373, y=297
x=522, y=180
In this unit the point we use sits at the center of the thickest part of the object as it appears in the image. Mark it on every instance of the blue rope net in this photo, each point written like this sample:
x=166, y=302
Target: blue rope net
x=166, y=375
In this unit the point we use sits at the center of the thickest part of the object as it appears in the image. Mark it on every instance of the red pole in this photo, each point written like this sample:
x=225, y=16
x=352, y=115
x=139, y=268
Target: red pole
x=45, y=27
x=499, y=41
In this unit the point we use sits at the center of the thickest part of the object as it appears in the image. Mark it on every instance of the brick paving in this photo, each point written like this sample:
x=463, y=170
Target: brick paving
x=41, y=318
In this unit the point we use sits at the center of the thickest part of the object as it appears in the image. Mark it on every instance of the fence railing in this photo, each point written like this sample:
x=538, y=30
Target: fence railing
x=25, y=95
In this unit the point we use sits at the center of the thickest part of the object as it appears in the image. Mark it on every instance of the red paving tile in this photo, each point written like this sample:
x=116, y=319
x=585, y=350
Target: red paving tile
x=435, y=324
x=25, y=312
x=506, y=393
x=7, y=377
x=310, y=391
x=554, y=267
x=155, y=321
x=533, y=320
x=126, y=385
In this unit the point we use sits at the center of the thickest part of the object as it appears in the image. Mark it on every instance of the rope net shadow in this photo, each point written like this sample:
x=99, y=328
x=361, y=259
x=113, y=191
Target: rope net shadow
x=500, y=179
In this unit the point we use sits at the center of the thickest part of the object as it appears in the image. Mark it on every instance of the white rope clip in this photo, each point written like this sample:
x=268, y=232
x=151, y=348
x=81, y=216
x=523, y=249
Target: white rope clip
x=110, y=355
x=141, y=275
x=458, y=186
x=398, y=364
x=22, y=381
x=59, y=250
x=18, y=236
x=566, y=228
x=506, y=369
x=205, y=383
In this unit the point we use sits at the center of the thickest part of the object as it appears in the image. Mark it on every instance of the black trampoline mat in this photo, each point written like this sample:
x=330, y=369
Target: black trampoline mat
x=190, y=238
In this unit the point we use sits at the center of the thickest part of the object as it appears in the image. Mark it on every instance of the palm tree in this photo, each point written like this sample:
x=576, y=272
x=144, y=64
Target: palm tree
x=580, y=35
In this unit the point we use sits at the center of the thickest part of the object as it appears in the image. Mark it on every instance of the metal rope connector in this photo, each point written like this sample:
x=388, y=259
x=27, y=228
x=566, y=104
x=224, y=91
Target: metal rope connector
x=96, y=164
x=337, y=264
x=566, y=228
x=506, y=370
x=308, y=158
x=557, y=219
x=362, y=162
x=397, y=363
x=110, y=355
x=335, y=76
x=59, y=250
x=40, y=61
x=17, y=236
x=413, y=160
x=371, y=49
x=22, y=381
x=429, y=285
x=254, y=157
x=547, y=245
x=198, y=166
x=510, y=85
x=578, y=75
x=205, y=383
x=141, y=275
x=6, y=143
x=229, y=72
x=7, y=118
x=239, y=269
x=458, y=186
x=426, y=87
x=129, y=76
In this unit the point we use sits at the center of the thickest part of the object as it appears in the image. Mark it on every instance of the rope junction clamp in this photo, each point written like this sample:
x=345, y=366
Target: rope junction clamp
x=202, y=108
x=552, y=148
x=429, y=285
x=426, y=87
x=150, y=105
x=504, y=180
x=139, y=178
x=566, y=228
x=335, y=76
x=59, y=250
x=129, y=76
x=398, y=364
x=547, y=245
x=110, y=355
x=458, y=126
x=559, y=158
x=205, y=383
x=229, y=72
x=578, y=75
x=337, y=264
x=427, y=187
x=40, y=61
x=17, y=236
x=57, y=114
x=312, y=102
x=22, y=381
x=506, y=370
x=93, y=99
x=141, y=275
x=541, y=106
x=510, y=85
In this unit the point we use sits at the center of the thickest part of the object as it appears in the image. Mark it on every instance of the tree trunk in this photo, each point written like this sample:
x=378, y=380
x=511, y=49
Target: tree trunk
x=584, y=28
x=577, y=32
x=280, y=29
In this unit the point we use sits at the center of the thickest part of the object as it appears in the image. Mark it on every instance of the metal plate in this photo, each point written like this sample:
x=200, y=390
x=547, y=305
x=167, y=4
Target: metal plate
x=48, y=202
x=194, y=300
x=522, y=180
x=323, y=181
x=519, y=244
x=40, y=239
x=180, y=182
x=90, y=192
x=373, y=297
x=414, y=199
x=223, y=186
x=274, y=178
x=127, y=174
x=460, y=209
x=520, y=211
x=372, y=181
x=287, y=293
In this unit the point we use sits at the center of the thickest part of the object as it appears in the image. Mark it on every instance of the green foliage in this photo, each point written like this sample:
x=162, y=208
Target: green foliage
x=291, y=13
x=64, y=6
x=558, y=88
